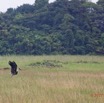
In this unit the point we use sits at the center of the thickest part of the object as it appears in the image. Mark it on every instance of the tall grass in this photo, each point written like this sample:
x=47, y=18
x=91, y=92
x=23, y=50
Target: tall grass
x=79, y=79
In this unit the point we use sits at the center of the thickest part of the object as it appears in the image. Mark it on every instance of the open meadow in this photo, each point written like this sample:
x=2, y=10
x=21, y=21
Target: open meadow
x=53, y=79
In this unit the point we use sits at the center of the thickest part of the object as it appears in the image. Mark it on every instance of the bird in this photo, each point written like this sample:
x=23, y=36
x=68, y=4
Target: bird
x=13, y=65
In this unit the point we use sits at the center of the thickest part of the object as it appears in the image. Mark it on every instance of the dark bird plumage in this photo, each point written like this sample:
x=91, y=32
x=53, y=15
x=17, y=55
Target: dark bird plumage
x=13, y=68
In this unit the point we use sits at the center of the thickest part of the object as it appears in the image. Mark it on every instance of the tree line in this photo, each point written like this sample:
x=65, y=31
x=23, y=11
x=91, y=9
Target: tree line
x=61, y=27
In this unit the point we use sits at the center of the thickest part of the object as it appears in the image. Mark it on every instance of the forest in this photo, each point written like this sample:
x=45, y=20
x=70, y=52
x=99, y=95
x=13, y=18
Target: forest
x=73, y=27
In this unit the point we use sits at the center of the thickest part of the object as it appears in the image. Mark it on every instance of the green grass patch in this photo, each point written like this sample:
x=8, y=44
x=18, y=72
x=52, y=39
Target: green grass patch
x=53, y=79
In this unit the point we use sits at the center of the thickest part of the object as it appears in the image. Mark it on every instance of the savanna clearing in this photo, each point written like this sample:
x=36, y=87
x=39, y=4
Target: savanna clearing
x=53, y=79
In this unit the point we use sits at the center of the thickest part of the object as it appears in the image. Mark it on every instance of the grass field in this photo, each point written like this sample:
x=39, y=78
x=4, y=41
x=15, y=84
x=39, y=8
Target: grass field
x=53, y=79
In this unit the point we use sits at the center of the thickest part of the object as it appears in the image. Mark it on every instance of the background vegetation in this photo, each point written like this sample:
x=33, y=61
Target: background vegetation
x=61, y=27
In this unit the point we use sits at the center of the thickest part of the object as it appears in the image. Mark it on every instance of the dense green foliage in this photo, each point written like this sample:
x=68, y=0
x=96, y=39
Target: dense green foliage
x=61, y=27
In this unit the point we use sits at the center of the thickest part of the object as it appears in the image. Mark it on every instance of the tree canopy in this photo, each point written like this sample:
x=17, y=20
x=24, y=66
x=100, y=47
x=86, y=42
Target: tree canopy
x=61, y=27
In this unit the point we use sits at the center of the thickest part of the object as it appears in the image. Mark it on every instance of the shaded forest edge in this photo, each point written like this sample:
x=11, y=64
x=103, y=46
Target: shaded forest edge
x=61, y=27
